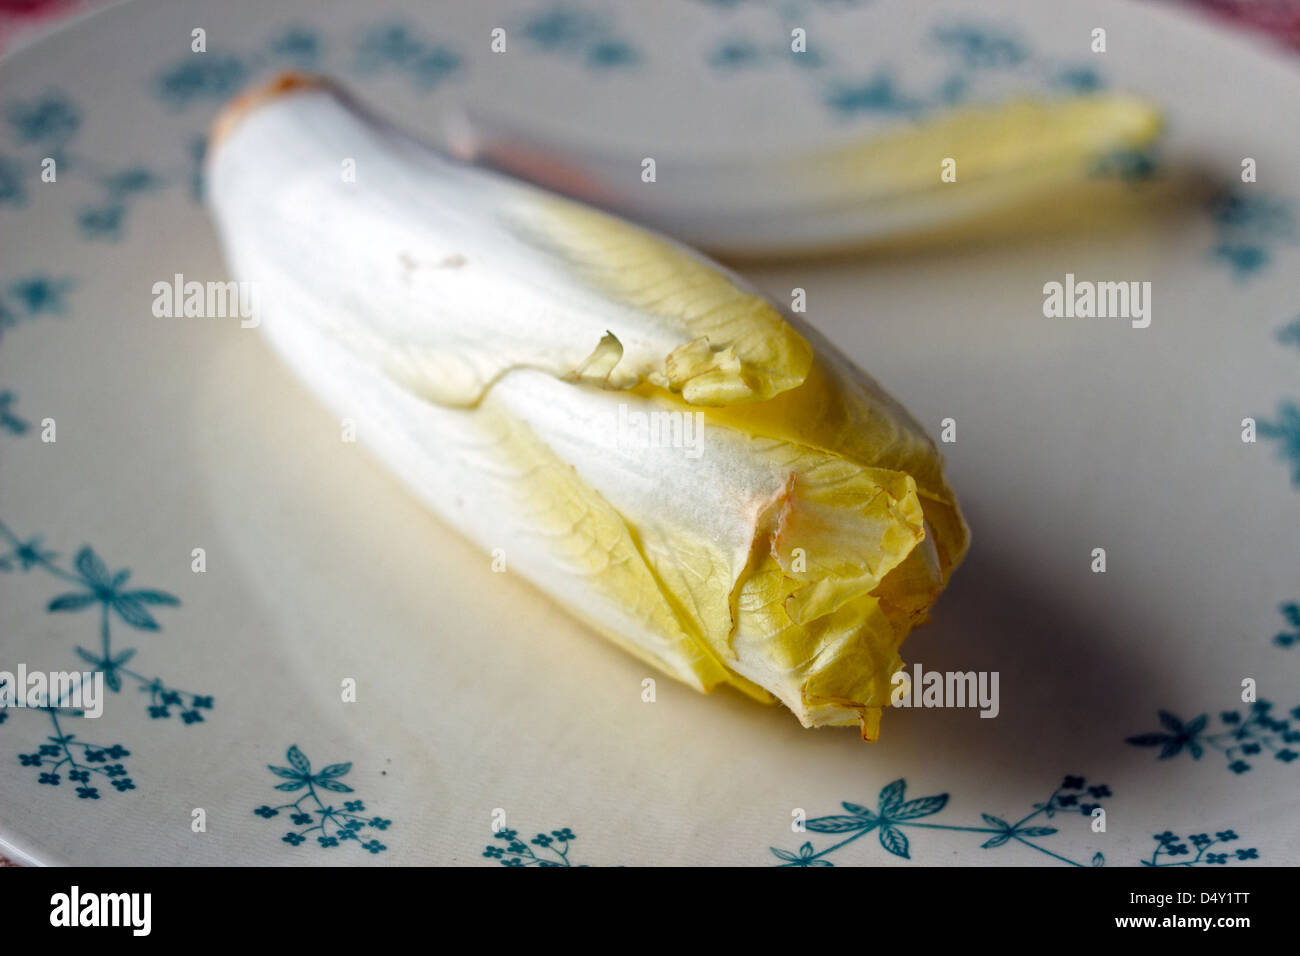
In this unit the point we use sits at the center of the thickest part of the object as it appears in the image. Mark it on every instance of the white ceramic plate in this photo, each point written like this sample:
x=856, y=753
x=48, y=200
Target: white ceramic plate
x=474, y=694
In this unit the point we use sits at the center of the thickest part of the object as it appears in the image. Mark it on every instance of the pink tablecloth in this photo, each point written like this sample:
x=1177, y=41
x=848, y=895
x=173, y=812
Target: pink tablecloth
x=24, y=21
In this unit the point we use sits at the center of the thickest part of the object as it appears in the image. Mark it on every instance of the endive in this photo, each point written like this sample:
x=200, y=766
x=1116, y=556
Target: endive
x=1023, y=156
x=493, y=341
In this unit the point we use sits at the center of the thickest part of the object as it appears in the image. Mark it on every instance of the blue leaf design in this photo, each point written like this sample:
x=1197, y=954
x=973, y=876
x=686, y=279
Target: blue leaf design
x=134, y=614
x=91, y=567
x=840, y=824
x=854, y=808
x=895, y=841
x=296, y=785
x=996, y=840
x=1037, y=831
x=70, y=602
x=335, y=770
x=333, y=785
x=891, y=797
x=1171, y=722
x=923, y=807
x=784, y=855
x=297, y=760
x=154, y=597
x=1099, y=860
x=284, y=772
x=995, y=822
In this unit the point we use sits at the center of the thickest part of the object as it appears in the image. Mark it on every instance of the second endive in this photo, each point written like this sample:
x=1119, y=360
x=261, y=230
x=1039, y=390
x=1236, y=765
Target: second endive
x=701, y=477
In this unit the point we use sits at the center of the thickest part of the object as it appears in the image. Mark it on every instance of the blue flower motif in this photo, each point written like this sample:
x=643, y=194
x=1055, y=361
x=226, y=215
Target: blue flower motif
x=563, y=28
x=203, y=702
x=541, y=840
x=41, y=294
x=191, y=716
x=268, y=812
x=390, y=44
x=374, y=846
x=87, y=793
x=1176, y=849
x=1224, y=836
x=1200, y=840
x=493, y=852
x=1251, y=854
x=1286, y=755
x=1178, y=736
x=30, y=760
x=379, y=823
x=1100, y=791
x=209, y=76
x=1286, y=431
x=354, y=806
x=433, y=66
x=292, y=839
x=981, y=48
x=117, y=752
x=506, y=834
x=327, y=841
x=1079, y=79
x=805, y=857
x=735, y=52
x=1216, y=858
x=301, y=819
x=52, y=118
x=156, y=711
x=79, y=776
x=1239, y=766
x=1230, y=717
x=876, y=95
x=123, y=784
x=105, y=589
x=298, y=44
x=609, y=53
x=564, y=834
x=50, y=778
x=137, y=179
x=12, y=188
x=50, y=750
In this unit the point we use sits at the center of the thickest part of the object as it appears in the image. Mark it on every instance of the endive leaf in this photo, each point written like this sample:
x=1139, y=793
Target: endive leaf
x=877, y=189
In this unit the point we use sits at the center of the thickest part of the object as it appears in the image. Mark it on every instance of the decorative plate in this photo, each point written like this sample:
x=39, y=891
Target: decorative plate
x=302, y=666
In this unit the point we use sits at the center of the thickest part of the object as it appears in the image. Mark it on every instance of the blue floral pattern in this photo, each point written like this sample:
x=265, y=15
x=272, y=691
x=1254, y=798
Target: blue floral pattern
x=1291, y=636
x=1172, y=847
x=332, y=826
x=543, y=850
x=106, y=593
x=893, y=813
x=1238, y=736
